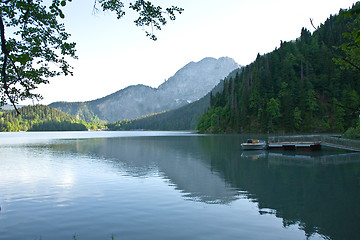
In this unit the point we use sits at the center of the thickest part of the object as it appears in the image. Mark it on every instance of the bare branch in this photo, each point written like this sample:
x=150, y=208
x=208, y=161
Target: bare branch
x=312, y=23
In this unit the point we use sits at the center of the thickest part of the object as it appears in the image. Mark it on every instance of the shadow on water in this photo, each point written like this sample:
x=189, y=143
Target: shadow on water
x=318, y=191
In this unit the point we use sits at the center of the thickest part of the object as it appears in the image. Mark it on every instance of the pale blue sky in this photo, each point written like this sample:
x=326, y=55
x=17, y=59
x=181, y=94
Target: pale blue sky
x=114, y=54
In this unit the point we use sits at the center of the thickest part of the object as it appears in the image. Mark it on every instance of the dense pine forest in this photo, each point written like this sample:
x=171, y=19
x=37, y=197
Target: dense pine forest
x=296, y=88
x=42, y=118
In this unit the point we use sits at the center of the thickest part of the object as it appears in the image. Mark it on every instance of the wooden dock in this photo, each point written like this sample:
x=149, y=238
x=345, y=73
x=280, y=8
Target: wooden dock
x=312, y=146
x=312, y=143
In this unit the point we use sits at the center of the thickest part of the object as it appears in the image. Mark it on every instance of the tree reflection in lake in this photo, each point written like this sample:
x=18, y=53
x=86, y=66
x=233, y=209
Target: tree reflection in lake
x=318, y=191
x=179, y=159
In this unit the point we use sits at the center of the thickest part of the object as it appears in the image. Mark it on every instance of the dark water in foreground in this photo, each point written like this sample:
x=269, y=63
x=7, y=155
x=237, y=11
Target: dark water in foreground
x=162, y=185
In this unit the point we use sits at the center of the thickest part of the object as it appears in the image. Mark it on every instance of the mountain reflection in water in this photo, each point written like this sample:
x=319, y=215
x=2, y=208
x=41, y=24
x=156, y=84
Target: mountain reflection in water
x=318, y=191
x=182, y=162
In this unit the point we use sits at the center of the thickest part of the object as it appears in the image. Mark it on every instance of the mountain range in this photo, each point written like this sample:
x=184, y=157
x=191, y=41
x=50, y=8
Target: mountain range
x=188, y=84
x=182, y=118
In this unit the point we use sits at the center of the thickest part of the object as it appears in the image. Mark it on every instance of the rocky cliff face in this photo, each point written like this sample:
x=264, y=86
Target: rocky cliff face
x=195, y=80
x=190, y=83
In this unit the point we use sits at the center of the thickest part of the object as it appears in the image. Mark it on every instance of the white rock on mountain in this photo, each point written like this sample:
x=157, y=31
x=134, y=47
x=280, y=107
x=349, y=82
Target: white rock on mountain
x=196, y=79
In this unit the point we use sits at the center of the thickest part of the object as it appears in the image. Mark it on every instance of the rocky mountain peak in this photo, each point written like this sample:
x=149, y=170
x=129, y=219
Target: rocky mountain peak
x=188, y=84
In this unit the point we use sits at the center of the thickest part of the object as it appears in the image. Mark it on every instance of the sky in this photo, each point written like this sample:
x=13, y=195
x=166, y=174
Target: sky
x=114, y=54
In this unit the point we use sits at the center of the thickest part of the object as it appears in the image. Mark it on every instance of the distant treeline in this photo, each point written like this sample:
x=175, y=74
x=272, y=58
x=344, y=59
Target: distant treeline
x=42, y=118
x=296, y=88
x=184, y=118
x=82, y=110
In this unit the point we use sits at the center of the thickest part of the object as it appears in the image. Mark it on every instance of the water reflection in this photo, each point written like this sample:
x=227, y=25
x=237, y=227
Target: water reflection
x=319, y=192
x=312, y=158
x=178, y=159
x=254, y=155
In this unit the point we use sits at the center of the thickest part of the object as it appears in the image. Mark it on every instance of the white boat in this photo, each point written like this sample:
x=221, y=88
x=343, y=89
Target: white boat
x=254, y=144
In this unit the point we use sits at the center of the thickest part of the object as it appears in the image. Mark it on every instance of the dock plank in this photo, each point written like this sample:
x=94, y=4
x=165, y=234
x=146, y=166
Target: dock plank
x=295, y=145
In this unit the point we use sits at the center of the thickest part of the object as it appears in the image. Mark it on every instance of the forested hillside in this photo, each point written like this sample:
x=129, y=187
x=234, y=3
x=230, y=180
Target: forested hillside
x=296, y=88
x=184, y=118
x=41, y=118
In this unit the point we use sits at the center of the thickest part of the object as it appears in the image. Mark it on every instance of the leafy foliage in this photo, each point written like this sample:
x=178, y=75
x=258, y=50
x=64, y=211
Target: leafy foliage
x=353, y=132
x=152, y=16
x=297, y=87
x=35, y=46
x=42, y=118
x=149, y=15
x=351, y=47
x=33, y=49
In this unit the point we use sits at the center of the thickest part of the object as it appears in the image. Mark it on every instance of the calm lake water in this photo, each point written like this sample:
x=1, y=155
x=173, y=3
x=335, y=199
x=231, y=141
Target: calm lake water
x=171, y=185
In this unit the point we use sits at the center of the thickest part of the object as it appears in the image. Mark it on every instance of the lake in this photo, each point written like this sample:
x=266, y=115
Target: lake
x=172, y=185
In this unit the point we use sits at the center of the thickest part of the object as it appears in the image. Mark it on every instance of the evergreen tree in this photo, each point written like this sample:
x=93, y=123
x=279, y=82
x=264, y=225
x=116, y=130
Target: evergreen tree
x=297, y=87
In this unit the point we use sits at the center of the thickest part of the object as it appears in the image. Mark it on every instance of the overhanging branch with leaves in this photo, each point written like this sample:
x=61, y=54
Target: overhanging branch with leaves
x=36, y=47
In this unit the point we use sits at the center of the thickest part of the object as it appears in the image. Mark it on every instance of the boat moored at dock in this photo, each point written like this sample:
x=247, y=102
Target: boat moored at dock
x=303, y=143
x=254, y=144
